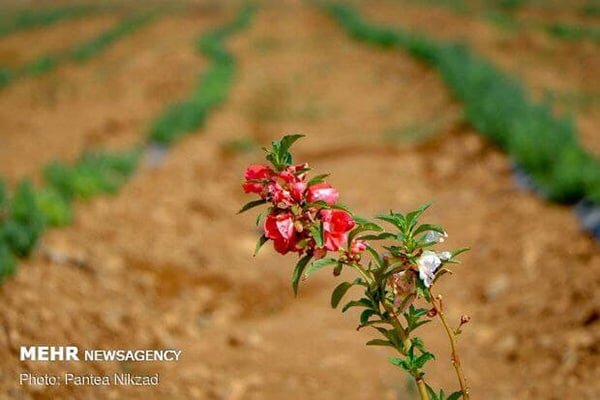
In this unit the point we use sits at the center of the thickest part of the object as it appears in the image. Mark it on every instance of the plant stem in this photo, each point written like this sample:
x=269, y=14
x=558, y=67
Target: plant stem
x=422, y=389
x=406, y=343
x=455, y=358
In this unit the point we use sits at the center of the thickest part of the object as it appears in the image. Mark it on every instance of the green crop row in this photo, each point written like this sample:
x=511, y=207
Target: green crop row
x=31, y=18
x=81, y=52
x=211, y=89
x=501, y=13
x=497, y=105
x=29, y=211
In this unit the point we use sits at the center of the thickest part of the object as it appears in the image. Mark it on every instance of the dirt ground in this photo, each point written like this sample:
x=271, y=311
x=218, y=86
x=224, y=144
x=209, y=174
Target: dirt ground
x=167, y=263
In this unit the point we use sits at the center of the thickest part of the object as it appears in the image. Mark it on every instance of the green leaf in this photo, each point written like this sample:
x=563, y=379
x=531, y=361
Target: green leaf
x=339, y=206
x=429, y=227
x=423, y=358
x=318, y=264
x=260, y=216
x=379, y=342
x=432, y=394
x=363, y=225
x=397, y=361
x=380, y=236
x=376, y=256
x=395, y=219
x=251, y=204
x=318, y=204
x=459, y=251
x=317, y=179
x=317, y=232
x=300, y=266
x=357, y=303
x=413, y=216
x=261, y=240
x=339, y=292
x=286, y=142
x=366, y=224
x=455, y=395
x=365, y=315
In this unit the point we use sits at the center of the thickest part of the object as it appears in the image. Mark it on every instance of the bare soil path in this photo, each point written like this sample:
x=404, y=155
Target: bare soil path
x=107, y=102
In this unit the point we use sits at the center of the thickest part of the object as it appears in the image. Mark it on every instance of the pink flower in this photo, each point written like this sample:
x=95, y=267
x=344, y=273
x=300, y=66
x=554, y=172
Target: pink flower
x=253, y=172
x=280, y=229
x=297, y=190
x=358, y=246
x=336, y=225
x=281, y=197
x=322, y=192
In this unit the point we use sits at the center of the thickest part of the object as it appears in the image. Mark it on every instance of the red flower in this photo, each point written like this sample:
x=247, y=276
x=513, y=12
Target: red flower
x=253, y=172
x=336, y=225
x=279, y=196
x=280, y=229
x=297, y=190
x=358, y=246
x=324, y=192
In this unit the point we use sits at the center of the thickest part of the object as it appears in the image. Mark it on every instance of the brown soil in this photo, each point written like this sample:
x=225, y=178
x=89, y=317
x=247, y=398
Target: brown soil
x=114, y=96
x=166, y=263
x=16, y=50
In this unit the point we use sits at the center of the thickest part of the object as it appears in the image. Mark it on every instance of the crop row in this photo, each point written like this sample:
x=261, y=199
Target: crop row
x=26, y=213
x=501, y=13
x=545, y=146
x=32, y=18
x=211, y=88
x=79, y=53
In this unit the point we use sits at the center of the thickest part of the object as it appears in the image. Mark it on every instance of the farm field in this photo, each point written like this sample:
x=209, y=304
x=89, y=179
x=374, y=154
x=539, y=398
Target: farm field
x=167, y=263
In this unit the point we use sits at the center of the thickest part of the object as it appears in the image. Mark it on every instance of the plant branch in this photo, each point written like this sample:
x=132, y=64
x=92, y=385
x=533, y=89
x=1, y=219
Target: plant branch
x=406, y=343
x=452, y=338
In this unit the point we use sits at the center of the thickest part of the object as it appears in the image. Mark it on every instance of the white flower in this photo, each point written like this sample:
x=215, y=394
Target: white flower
x=444, y=255
x=435, y=237
x=428, y=263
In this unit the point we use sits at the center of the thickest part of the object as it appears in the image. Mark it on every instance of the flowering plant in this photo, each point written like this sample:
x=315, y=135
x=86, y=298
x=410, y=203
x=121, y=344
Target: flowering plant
x=303, y=216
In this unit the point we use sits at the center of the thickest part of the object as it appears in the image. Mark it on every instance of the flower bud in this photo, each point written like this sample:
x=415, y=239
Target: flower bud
x=464, y=319
x=298, y=226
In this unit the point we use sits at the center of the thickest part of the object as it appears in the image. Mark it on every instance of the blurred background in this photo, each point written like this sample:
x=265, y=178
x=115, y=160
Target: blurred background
x=125, y=128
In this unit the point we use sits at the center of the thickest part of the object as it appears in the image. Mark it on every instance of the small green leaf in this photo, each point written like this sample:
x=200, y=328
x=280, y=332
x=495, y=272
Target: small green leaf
x=411, y=217
x=339, y=206
x=459, y=251
x=286, y=142
x=318, y=204
x=379, y=342
x=261, y=240
x=357, y=303
x=300, y=266
x=423, y=358
x=317, y=233
x=380, y=236
x=317, y=179
x=395, y=219
x=365, y=315
x=432, y=394
x=261, y=216
x=318, y=264
x=339, y=292
x=376, y=256
x=429, y=227
x=455, y=395
x=251, y=204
